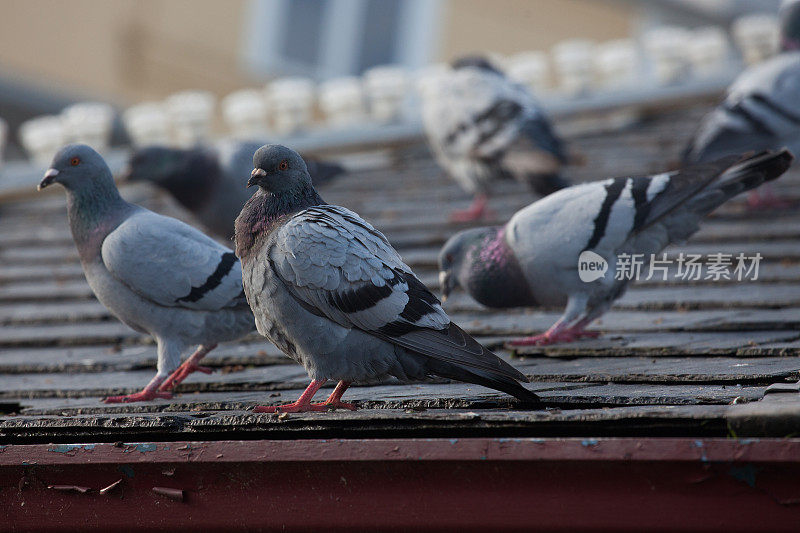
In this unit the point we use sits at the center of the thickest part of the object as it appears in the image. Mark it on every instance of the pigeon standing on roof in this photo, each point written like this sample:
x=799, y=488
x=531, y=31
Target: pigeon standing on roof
x=154, y=273
x=207, y=180
x=760, y=110
x=330, y=291
x=481, y=126
x=533, y=260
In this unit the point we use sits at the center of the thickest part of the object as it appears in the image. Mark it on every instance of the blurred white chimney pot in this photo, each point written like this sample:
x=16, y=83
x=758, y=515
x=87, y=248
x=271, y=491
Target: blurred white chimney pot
x=530, y=69
x=667, y=48
x=291, y=101
x=756, y=36
x=386, y=90
x=147, y=124
x=618, y=63
x=89, y=123
x=342, y=101
x=708, y=50
x=191, y=114
x=42, y=137
x=245, y=113
x=573, y=62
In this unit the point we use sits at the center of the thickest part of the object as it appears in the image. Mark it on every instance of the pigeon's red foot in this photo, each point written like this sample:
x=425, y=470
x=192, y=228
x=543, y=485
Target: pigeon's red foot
x=188, y=366
x=181, y=373
x=766, y=202
x=297, y=407
x=544, y=339
x=142, y=396
x=477, y=211
x=303, y=403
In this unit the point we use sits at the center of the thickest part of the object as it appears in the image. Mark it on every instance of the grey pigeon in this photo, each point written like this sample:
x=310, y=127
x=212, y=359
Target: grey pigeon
x=533, y=259
x=330, y=291
x=207, y=180
x=156, y=274
x=481, y=126
x=759, y=111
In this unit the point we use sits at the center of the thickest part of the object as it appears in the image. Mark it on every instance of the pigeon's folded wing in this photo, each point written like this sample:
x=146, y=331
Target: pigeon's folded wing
x=478, y=115
x=758, y=113
x=172, y=264
x=338, y=266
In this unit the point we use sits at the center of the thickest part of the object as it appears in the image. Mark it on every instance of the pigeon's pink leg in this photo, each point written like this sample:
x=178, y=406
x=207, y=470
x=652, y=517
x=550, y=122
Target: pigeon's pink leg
x=558, y=332
x=334, y=401
x=188, y=366
x=765, y=198
x=476, y=211
x=150, y=392
x=304, y=404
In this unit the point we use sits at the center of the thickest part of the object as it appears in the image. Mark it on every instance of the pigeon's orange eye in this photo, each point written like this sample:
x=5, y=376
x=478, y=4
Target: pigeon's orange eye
x=283, y=165
x=75, y=161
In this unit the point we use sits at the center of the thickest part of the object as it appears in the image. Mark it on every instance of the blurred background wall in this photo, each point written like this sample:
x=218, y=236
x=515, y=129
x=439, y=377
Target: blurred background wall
x=53, y=53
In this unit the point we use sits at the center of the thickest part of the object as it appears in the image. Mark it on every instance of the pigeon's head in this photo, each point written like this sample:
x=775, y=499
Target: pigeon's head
x=789, y=16
x=278, y=169
x=457, y=256
x=76, y=166
x=157, y=164
x=475, y=61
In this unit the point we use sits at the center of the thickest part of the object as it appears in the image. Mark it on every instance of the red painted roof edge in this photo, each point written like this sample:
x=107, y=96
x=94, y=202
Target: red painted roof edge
x=464, y=449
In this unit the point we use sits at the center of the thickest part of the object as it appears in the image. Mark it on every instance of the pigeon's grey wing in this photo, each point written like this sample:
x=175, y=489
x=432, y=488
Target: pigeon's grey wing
x=172, y=264
x=538, y=132
x=601, y=216
x=475, y=114
x=644, y=214
x=758, y=113
x=338, y=266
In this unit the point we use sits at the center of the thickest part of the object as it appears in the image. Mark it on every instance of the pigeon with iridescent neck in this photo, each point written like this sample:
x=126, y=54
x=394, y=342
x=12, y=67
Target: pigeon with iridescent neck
x=330, y=291
x=482, y=126
x=534, y=259
x=154, y=273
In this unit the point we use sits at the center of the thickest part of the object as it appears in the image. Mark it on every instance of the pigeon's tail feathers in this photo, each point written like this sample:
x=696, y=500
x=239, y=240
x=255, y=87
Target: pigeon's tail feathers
x=455, y=346
x=491, y=380
x=755, y=170
x=323, y=172
x=749, y=173
x=695, y=191
x=544, y=184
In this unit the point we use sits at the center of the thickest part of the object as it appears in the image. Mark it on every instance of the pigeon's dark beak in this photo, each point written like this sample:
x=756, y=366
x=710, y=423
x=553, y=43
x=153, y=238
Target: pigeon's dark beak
x=255, y=175
x=49, y=177
x=445, y=284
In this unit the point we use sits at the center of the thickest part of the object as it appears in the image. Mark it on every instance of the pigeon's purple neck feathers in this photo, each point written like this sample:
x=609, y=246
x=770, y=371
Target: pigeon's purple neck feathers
x=95, y=209
x=264, y=211
x=491, y=273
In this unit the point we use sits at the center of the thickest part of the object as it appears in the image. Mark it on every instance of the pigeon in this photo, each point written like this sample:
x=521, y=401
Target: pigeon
x=481, y=126
x=330, y=291
x=154, y=273
x=789, y=25
x=533, y=260
x=206, y=180
x=759, y=111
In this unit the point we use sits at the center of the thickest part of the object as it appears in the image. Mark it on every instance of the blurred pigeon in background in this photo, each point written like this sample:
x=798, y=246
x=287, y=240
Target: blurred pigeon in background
x=760, y=110
x=481, y=126
x=156, y=274
x=209, y=181
x=534, y=259
x=331, y=293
